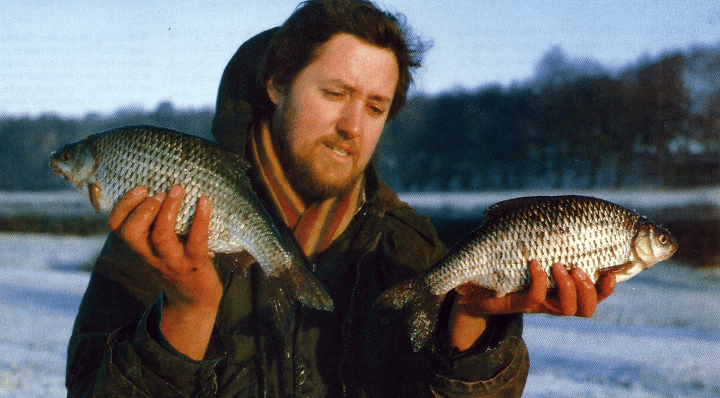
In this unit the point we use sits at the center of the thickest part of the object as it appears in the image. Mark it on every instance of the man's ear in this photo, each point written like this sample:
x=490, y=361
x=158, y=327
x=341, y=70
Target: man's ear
x=275, y=93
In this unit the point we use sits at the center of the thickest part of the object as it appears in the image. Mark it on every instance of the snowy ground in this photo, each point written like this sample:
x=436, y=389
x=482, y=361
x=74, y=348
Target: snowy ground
x=462, y=204
x=40, y=291
x=657, y=336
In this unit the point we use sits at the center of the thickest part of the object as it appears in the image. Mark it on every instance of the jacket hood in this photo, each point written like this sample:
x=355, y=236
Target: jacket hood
x=240, y=92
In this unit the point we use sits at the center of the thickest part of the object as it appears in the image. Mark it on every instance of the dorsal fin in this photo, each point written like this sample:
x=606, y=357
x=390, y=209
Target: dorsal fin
x=557, y=202
x=238, y=161
x=506, y=206
x=241, y=172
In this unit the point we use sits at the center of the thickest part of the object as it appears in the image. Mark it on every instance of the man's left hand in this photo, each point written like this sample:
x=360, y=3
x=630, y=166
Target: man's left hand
x=576, y=296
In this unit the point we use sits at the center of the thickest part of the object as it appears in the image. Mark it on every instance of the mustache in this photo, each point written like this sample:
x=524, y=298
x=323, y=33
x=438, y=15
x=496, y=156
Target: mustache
x=349, y=146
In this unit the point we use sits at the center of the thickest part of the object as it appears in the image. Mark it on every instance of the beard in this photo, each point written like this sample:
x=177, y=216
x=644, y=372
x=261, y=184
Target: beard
x=307, y=183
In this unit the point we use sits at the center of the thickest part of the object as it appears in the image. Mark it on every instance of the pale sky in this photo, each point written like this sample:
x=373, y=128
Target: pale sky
x=75, y=56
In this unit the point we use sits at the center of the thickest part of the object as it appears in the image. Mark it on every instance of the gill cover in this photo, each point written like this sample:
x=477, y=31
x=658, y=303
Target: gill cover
x=652, y=244
x=76, y=162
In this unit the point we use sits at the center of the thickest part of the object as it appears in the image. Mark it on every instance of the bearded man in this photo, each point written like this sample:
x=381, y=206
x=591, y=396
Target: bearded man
x=305, y=104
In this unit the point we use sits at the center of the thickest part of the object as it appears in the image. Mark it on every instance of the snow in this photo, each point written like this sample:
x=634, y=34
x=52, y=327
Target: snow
x=65, y=203
x=460, y=204
x=37, y=310
x=59, y=252
x=658, y=335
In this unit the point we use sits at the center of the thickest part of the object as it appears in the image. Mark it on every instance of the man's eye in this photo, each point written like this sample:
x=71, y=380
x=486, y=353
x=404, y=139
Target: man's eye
x=333, y=94
x=377, y=110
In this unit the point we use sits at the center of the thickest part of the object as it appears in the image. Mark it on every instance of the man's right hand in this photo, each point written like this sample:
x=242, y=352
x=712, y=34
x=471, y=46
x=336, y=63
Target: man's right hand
x=192, y=287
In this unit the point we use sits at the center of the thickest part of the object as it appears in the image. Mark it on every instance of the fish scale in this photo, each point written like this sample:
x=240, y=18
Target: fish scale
x=107, y=165
x=592, y=234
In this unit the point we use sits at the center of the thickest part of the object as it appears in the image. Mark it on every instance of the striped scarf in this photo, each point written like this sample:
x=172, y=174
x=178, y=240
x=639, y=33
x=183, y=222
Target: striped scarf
x=314, y=225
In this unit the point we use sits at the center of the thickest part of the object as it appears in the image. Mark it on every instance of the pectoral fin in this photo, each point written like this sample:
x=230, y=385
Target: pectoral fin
x=470, y=292
x=615, y=270
x=95, y=195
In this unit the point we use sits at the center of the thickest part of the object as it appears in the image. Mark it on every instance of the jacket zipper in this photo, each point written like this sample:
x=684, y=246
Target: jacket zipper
x=348, y=317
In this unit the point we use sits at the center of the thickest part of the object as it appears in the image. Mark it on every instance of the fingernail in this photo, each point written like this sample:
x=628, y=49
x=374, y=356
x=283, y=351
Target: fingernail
x=583, y=274
x=175, y=191
x=584, y=278
x=138, y=191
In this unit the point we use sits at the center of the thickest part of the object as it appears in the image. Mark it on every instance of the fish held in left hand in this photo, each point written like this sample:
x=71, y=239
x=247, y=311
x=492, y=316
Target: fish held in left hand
x=106, y=165
x=597, y=236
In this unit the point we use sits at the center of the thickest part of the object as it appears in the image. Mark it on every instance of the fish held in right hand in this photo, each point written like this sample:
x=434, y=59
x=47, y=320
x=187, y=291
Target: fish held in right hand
x=597, y=236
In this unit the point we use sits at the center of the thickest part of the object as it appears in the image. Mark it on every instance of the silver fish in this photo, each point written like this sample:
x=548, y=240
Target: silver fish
x=107, y=165
x=597, y=236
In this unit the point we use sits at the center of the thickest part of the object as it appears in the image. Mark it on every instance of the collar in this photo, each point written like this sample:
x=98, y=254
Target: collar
x=314, y=225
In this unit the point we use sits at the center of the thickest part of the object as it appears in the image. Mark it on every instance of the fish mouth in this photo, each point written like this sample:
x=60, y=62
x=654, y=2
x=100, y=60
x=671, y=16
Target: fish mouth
x=56, y=168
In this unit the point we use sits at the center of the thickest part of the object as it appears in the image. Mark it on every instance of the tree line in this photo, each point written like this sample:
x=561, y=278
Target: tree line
x=27, y=142
x=654, y=124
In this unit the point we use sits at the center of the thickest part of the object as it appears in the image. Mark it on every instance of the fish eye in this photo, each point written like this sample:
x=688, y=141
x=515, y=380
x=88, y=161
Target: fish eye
x=65, y=156
x=663, y=239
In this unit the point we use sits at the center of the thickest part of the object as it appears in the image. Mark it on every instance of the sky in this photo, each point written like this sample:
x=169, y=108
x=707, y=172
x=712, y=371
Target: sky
x=71, y=57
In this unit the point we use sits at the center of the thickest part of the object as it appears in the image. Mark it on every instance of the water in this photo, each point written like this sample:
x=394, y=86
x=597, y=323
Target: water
x=658, y=335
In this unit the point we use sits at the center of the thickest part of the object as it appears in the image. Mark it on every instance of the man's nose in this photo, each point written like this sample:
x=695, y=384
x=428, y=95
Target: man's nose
x=351, y=120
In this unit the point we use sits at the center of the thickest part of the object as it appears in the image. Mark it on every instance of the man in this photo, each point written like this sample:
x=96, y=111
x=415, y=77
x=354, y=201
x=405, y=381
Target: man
x=162, y=317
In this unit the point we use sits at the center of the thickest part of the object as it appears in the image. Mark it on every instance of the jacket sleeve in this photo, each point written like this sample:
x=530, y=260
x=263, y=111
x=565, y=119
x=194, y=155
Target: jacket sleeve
x=113, y=350
x=496, y=366
x=137, y=363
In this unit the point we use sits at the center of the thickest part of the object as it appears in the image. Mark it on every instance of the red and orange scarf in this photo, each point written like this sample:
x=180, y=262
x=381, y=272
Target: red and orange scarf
x=314, y=225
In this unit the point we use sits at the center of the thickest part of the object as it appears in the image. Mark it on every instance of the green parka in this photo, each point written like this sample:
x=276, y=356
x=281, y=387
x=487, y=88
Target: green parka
x=116, y=349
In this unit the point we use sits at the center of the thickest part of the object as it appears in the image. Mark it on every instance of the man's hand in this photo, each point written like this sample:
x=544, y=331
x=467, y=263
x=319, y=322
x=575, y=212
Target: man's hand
x=192, y=287
x=576, y=296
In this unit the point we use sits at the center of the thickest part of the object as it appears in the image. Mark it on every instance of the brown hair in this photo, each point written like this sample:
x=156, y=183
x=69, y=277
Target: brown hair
x=284, y=51
x=314, y=22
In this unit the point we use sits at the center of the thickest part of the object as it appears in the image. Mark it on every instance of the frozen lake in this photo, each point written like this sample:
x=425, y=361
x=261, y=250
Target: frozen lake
x=657, y=336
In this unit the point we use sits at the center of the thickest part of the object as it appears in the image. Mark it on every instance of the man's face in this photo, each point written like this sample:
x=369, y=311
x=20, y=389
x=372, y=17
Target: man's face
x=328, y=121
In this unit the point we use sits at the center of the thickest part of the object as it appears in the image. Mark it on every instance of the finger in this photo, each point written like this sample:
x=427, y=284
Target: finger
x=538, y=285
x=530, y=300
x=605, y=287
x=124, y=206
x=587, y=297
x=136, y=228
x=163, y=237
x=567, y=294
x=197, y=242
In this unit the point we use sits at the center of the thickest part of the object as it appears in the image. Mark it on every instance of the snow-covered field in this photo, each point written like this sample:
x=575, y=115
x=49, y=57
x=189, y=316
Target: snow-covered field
x=40, y=291
x=462, y=204
x=657, y=336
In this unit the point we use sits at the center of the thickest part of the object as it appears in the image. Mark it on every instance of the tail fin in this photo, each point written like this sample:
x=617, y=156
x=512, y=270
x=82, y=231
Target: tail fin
x=305, y=287
x=424, y=307
x=289, y=282
x=282, y=307
x=295, y=281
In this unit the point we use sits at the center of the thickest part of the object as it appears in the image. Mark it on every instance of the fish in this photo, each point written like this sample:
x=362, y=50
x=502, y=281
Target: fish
x=598, y=236
x=106, y=165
